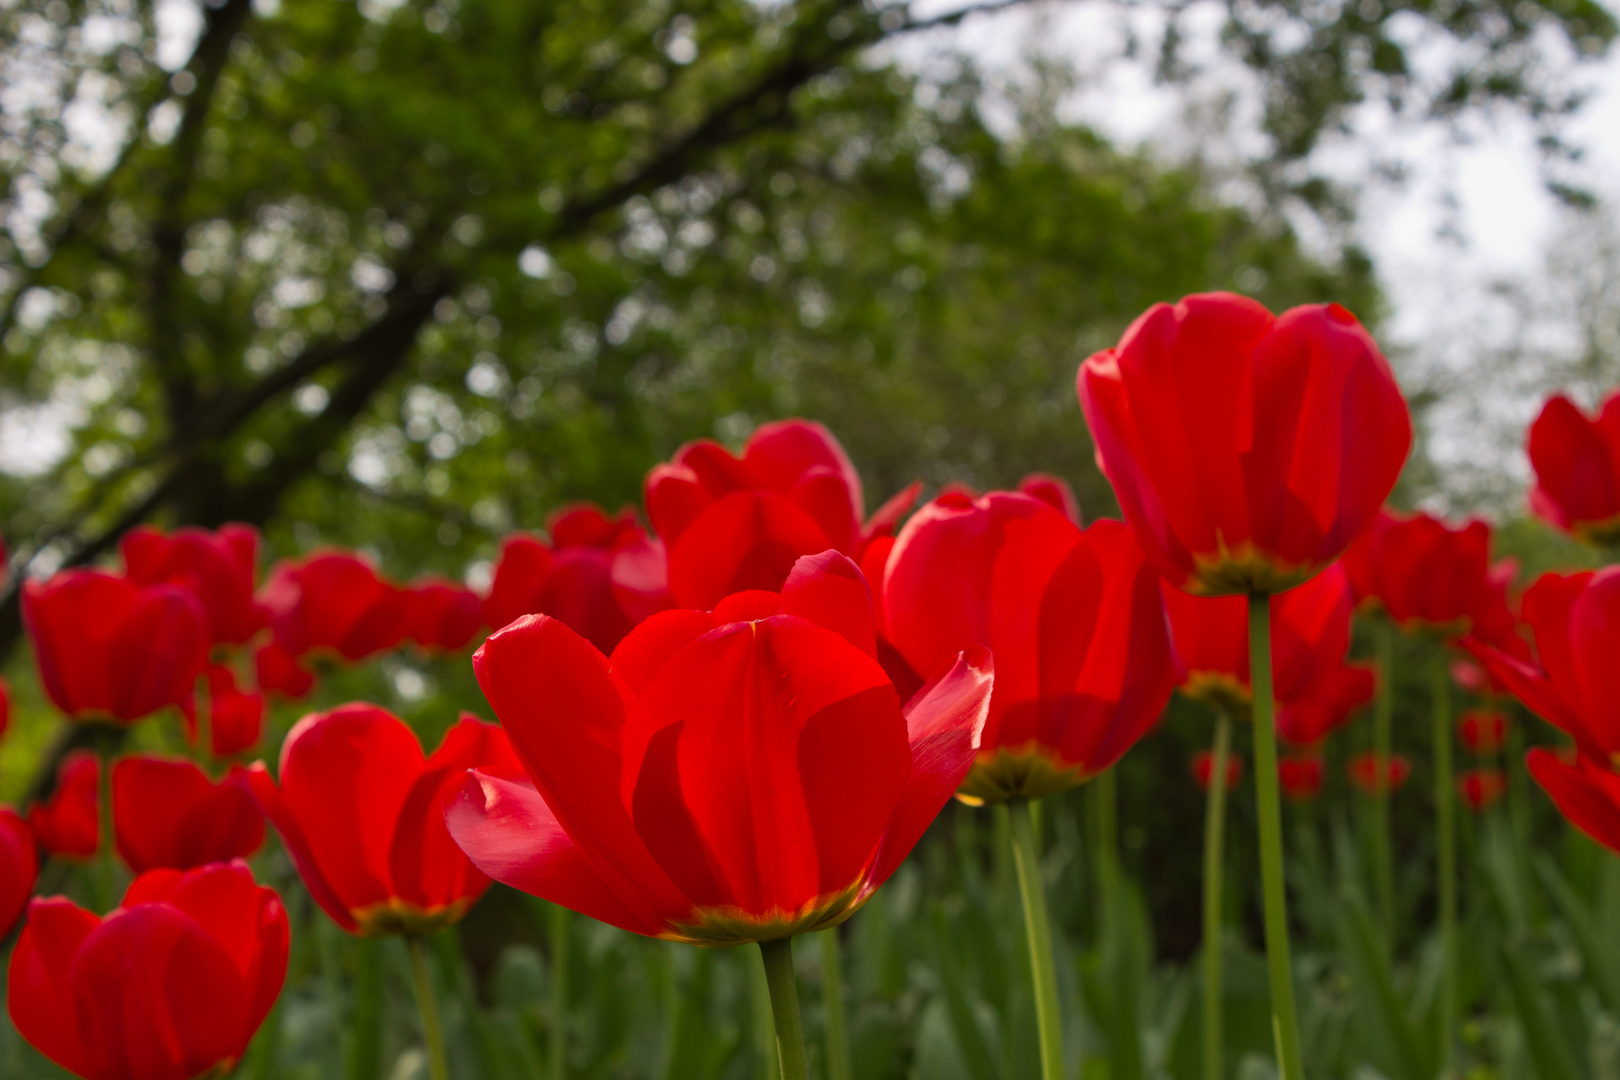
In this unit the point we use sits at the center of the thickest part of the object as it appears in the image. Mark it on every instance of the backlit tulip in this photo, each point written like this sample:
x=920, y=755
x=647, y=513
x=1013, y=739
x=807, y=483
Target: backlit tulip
x=334, y=603
x=361, y=813
x=68, y=823
x=1247, y=450
x=1576, y=459
x=169, y=986
x=1301, y=777
x=1328, y=704
x=277, y=671
x=1310, y=634
x=235, y=717
x=1574, y=683
x=1074, y=617
x=1481, y=789
x=1373, y=777
x=745, y=774
x=1426, y=574
x=740, y=523
x=167, y=813
x=1203, y=769
x=19, y=865
x=1483, y=731
x=110, y=649
x=1055, y=492
x=219, y=567
x=599, y=575
x=442, y=616
x=1587, y=792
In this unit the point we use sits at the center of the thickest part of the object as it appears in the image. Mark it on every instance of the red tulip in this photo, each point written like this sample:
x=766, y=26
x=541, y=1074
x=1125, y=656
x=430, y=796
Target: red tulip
x=334, y=602
x=110, y=649
x=19, y=865
x=68, y=823
x=1426, y=574
x=740, y=523
x=442, y=616
x=1586, y=791
x=277, y=670
x=1483, y=731
x=1327, y=705
x=1247, y=451
x=1575, y=684
x=1481, y=789
x=1310, y=634
x=1075, y=617
x=170, y=986
x=219, y=567
x=169, y=814
x=361, y=813
x=1301, y=777
x=1203, y=769
x=1365, y=773
x=235, y=718
x=738, y=775
x=1055, y=492
x=600, y=575
x=1577, y=465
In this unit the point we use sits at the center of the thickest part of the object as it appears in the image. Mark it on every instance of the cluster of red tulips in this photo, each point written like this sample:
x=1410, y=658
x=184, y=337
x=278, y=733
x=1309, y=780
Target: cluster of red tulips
x=735, y=727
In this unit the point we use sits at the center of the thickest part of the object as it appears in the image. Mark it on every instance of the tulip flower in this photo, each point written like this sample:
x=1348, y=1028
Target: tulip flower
x=1483, y=731
x=1586, y=791
x=600, y=575
x=218, y=567
x=19, y=865
x=1310, y=634
x=1576, y=459
x=1481, y=789
x=109, y=649
x=1366, y=774
x=1055, y=492
x=1327, y=705
x=1203, y=769
x=358, y=808
x=1575, y=619
x=745, y=774
x=1426, y=574
x=1247, y=452
x=1088, y=663
x=442, y=616
x=68, y=823
x=733, y=523
x=278, y=671
x=168, y=814
x=171, y=985
x=1301, y=777
x=335, y=603
x=235, y=717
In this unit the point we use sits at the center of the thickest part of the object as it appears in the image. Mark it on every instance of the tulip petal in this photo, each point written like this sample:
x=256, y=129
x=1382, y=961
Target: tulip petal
x=564, y=710
x=944, y=723
x=425, y=865
x=1586, y=793
x=745, y=540
x=168, y=813
x=647, y=648
x=510, y=834
x=1594, y=631
x=828, y=590
x=39, y=990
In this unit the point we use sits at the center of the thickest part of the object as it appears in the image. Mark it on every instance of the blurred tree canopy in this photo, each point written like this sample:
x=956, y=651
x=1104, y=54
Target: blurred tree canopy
x=408, y=275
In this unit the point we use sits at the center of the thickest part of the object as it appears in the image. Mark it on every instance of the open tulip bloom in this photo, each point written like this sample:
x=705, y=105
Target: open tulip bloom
x=1576, y=459
x=738, y=775
x=1248, y=451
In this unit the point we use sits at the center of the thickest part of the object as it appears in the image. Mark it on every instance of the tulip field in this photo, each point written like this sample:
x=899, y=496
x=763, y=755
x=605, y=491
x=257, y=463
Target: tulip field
x=754, y=781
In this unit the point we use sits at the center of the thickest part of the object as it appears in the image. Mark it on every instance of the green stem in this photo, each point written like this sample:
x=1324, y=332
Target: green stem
x=1445, y=807
x=365, y=1051
x=784, y=989
x=1284, y=1017
x=1039, y=932
x=832, y=1003
x=1383, y=856
x=438, y=1065
x=1105, y=833
x=558, y=925
x=1214, y=923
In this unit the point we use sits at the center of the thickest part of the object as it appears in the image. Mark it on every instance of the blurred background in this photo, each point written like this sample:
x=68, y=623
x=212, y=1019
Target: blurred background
x=408, y=276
